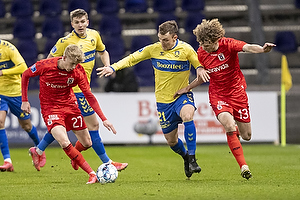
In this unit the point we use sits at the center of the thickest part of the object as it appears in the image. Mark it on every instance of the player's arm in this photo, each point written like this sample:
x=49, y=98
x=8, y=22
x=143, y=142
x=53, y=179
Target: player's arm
x=104, y=56
x=18, y=69
x=24, y=84
x=128, y=61
x=255, y=48
x=85, y=88
x=196, y=82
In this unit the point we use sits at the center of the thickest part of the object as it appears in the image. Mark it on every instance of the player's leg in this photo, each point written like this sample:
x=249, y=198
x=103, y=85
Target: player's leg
x=7, y=166
x=60, y=134
x=92, y=123
x=228, y=122
x=245, y=130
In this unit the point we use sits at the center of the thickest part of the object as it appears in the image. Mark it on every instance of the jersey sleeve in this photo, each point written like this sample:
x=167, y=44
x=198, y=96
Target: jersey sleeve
x=59, y=48
x=30, y=72
x=193, y=58
x=100, y=46
x=133, y=59
x=86, y=90
x=17, y=59
x=235, y=45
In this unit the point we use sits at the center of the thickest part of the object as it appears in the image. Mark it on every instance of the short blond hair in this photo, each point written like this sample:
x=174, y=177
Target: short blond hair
x=209, y=31
x=78, y=13
x=74, y=53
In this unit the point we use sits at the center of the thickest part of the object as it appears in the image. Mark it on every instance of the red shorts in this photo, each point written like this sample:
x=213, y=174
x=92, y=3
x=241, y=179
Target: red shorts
x=68, y=116
x=237, y=105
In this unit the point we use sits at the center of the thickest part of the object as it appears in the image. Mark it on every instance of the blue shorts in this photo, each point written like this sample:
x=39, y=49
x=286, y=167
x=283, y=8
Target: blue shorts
x=83, y=105
x=169, y=113
x=14, y=105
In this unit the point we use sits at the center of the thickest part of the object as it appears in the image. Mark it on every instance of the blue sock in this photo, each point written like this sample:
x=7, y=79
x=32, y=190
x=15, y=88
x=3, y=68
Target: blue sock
x=179, y=148
x=4, y=144
x=98, y=146
x=34, y=135
x=190, y=136
x=46, y=141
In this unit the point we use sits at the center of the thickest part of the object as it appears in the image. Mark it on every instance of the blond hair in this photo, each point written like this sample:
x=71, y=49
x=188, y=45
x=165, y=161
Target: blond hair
x=209, y=31
x=78, y=13
x=168, y=27
x=74, y=53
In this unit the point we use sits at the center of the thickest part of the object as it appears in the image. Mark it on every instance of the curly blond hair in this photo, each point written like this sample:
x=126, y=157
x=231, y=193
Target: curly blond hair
x=209, y=31
x=74, y=53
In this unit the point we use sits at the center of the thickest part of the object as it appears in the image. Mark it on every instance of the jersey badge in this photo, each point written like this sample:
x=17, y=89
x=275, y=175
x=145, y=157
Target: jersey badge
x=221, y=56
x=177, y=54
x=70, y=81
x=54, y=49
x=162, y=53
x=93, y=42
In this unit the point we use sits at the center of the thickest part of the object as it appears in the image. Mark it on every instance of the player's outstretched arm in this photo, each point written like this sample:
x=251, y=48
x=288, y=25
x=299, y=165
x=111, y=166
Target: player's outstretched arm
x=255, y=48
x=104, y=71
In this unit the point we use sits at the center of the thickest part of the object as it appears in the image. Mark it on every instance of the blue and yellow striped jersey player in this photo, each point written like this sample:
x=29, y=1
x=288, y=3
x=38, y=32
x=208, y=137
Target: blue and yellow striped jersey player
x=12, y=65
x=172, y=60
x=90, y=43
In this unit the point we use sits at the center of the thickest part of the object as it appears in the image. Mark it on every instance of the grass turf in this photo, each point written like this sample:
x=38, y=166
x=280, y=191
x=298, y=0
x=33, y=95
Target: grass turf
x=155, y=172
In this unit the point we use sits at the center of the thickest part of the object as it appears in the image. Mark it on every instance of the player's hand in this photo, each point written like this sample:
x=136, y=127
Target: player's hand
x=26, y=107
x=203, y=74
x=104, y=71
x=181, y=91
x=109, y=126
x=268, y=47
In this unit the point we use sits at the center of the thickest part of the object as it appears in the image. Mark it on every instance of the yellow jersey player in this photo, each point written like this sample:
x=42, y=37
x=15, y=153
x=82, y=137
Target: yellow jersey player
x=12, y=65
x=89, y=41
x=172, y=60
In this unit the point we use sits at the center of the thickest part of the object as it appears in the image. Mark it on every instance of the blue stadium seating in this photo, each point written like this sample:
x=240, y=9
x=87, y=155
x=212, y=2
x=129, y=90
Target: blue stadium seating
x=136, y=6
x=164, y=5
x=53, y=27
x=21, y=8
x=107, y=7
x=286, y=42
x=50, y=7
x=2, y=9
x=192, y=20
x=193, y=5
x=110, y=25
x=75, y=4
x=24, y=28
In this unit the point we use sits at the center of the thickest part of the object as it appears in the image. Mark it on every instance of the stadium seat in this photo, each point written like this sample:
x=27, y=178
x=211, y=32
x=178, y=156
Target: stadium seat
x=110, y=25
x=286, y=42
x=164, y=6
x=107, y=7
x=192, y=20
x=29, y=50
x=49, y=45
x=136, y=6
x=21, y=8
x=24, y=28
x=53, y=27
x=50, y=8
x=140, y=41
x=2, y=9
x=115, y=46
x=75, y=4
x=193, y=5
x=162, y=17
x=297, y=4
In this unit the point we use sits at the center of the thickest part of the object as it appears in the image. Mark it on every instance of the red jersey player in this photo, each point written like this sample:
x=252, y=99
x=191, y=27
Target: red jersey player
x=59, y=104
x=227, y=89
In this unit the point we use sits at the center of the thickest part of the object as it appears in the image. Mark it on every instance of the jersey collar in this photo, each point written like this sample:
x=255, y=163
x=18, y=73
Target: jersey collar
x=78, y=35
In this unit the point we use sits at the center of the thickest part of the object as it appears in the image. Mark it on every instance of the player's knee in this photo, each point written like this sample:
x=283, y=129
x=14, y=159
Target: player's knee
x=187, y=117
x=246, y=136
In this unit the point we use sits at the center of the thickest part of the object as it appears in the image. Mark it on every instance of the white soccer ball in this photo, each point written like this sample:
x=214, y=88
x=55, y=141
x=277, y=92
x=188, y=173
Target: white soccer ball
x=107, y=173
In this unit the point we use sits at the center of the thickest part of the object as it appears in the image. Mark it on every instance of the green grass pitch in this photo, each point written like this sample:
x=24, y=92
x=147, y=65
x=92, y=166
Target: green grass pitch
x=155, y=172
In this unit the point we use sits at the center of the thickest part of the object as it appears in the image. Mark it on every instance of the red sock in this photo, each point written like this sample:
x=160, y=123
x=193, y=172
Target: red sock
x=75, y=155
x=236, y=148
x=80, y=147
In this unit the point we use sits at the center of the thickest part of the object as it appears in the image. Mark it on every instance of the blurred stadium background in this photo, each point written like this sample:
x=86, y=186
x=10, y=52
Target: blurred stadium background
x=127, y=25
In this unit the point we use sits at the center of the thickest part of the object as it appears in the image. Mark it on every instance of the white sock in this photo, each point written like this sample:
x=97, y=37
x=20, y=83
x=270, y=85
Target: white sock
x=8, y=160
x=40, y=152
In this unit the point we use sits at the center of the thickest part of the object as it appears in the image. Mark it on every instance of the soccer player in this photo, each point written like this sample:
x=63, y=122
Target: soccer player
x=59, y=105
x=171, y=60
x=90, y=43
x=227, y=89
x=12, y=65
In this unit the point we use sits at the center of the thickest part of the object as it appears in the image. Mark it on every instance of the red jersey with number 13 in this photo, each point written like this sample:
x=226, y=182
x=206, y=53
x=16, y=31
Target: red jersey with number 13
x=225, y=74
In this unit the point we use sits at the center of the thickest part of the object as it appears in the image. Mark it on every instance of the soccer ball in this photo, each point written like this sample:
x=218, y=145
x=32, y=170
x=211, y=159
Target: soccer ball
x=107, y=173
